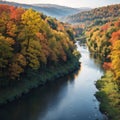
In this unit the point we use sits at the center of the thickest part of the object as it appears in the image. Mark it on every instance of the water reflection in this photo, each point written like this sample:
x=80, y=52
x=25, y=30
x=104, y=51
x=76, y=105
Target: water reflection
x=94, y=57
x=97, y=60
x=35, y=104
x=68, y=98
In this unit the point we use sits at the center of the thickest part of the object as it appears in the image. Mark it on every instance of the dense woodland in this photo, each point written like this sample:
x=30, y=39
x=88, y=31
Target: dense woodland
x=104, y=41
x=100, y=28
x=95, y=16
x=30, y=43
x=33, y=44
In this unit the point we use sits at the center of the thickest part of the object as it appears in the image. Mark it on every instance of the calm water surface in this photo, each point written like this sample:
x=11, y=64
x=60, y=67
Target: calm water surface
x=68, y=98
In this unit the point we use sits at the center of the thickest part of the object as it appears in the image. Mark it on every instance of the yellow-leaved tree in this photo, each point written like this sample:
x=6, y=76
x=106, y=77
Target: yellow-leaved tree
x=31, y=21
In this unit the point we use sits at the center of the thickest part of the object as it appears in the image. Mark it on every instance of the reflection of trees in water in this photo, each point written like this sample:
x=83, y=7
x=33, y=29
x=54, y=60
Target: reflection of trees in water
x=97, y=59
x=76, y=73
x=39, y=101
x=94, y=56
x=81, y=43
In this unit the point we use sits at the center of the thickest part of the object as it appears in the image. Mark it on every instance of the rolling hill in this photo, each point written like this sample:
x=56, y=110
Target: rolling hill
x=98, y=14
x=48, y=9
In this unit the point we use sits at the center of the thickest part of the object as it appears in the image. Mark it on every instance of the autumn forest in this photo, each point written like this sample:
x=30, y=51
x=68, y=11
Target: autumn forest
x=101, y=32
x=32, y=43
x=36, y=49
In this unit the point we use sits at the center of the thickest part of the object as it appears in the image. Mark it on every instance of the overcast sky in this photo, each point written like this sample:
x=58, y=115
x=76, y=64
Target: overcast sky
x=72, y=3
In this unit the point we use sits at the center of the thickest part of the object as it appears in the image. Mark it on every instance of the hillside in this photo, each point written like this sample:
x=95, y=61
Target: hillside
x=49, y=9
x=33, y=49
x=104, y=42
x=100, y=29
x=36, y=40
x=99, y=15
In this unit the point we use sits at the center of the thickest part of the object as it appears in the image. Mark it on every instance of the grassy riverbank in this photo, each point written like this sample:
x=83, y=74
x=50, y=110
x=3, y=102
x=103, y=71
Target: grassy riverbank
x=109, y=96
x=35, y=79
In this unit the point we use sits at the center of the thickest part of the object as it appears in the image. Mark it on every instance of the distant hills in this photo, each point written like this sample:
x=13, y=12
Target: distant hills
x=99, y=15
x=49, y=9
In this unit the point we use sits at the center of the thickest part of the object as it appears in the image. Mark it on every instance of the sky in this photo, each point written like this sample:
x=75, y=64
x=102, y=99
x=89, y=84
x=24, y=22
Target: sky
x=71, y=3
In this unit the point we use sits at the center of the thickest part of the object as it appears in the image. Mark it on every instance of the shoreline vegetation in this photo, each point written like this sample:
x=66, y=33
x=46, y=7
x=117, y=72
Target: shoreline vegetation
x=34, y=49
x=109, y=96
x=101, y=28
x=35, y=79
x=105, y=40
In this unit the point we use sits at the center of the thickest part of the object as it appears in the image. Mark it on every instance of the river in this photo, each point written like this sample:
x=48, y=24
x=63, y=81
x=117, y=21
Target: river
x=69, y=98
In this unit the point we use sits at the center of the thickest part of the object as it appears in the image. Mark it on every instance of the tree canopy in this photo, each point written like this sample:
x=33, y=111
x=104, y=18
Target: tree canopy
x=30, y=40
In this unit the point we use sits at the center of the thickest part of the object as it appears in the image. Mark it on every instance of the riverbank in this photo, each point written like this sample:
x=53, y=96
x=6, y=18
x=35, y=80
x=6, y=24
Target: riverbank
x=35, y=79
x=109, y=96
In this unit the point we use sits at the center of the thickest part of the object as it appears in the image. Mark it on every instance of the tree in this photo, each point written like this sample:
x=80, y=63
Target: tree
x=11, y=29
x=31, y=21
x=32, y=54
x=5, y=53
x=16, y=13
x=115, y=56
x=17, y=66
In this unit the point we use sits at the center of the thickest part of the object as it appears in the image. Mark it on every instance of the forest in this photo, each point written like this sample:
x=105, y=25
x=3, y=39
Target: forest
x=32, y=45
x=104, y=41
x=95, y=16
x=99, y=28
x=36, y=49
